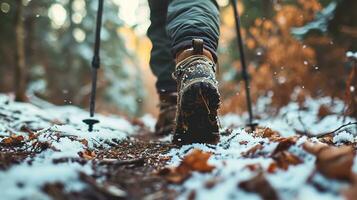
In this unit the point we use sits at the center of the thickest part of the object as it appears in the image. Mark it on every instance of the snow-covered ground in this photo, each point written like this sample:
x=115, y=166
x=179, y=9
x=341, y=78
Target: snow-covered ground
x=60, y=127
x=231, y=166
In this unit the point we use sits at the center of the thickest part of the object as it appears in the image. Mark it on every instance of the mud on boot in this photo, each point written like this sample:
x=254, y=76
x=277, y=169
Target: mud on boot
x=198, y=97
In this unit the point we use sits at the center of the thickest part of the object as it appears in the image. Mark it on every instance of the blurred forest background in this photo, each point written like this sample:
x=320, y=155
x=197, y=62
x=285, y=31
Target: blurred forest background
x=295, y=49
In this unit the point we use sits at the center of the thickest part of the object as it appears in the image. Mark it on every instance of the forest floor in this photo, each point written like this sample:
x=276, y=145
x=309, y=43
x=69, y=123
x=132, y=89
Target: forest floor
x=304, y=151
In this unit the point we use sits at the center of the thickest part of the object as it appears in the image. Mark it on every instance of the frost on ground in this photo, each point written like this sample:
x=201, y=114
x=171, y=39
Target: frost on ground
x=303, y=152
x=55, y=136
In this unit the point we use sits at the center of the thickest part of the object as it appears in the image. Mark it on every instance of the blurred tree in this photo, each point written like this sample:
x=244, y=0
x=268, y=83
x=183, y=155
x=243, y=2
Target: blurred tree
x=20, y=70
x=58, y=43
x=282, y=66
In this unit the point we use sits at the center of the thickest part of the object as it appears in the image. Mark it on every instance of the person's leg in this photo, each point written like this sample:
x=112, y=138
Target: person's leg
x=193, y=28
x=188, y=19
x=161, y=61
x=162, y=65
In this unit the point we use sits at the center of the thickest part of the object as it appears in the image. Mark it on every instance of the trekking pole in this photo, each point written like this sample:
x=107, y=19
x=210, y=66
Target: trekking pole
x=245, y=75
x=95, y=66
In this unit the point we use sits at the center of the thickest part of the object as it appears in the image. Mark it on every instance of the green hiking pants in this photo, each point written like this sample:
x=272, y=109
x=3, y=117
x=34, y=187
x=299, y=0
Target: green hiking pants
x=174, y=23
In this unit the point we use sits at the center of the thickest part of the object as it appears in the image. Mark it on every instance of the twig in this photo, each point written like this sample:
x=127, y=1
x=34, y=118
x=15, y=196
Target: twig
x=302, y=123
x=336, y=130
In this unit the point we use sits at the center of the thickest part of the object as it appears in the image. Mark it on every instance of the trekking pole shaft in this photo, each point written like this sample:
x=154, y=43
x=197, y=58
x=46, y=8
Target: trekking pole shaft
x=93, y=93
x=242, y=59
x=96, y=58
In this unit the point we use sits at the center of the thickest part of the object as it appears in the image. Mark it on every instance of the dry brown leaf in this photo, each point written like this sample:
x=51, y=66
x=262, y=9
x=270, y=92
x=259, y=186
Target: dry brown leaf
x=324, y=111
x=260, y=185
x=87, y=154
x=266, y=133
x=284, y=159
x=195, y=161
x=13, y=140
x=212, y=182
x=243, y=142
x=328, y=139
x=314, y=148
x=252, y=151
x=333, y=162
x=32, y=135
x=351, y=192
x=254, y=167
x=272, y=167
x=336, y=162
x=285, y=144
x=174, y=176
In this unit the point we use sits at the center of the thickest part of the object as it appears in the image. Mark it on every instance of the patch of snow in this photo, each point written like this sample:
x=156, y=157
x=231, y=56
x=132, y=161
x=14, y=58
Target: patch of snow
x=351, y=54
x=149, y=121
x=230, y=164
x=26, y=180
x=343, y=136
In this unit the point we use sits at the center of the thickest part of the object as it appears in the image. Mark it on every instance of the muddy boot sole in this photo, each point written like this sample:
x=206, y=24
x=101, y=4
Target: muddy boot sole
x=197, y=120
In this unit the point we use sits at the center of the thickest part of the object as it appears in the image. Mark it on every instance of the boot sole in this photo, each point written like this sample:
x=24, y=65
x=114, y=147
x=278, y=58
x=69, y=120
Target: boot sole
x=197, y=115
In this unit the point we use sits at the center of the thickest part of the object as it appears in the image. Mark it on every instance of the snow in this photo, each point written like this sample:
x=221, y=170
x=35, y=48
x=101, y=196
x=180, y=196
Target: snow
x=149, y=121
x=290, y=118
x=351, y=54
x=63, y=128
x=343, y=136
x=27, y=179
x=231, y=164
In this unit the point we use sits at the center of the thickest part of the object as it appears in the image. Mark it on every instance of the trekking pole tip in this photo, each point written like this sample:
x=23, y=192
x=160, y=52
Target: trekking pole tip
x=90, y=122
x=252, y=126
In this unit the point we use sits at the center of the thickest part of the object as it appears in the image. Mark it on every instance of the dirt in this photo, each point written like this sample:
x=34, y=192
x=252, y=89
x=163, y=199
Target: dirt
x=130, y=166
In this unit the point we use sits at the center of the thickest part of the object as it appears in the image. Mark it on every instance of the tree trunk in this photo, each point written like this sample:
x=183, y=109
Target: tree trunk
x=20, y=70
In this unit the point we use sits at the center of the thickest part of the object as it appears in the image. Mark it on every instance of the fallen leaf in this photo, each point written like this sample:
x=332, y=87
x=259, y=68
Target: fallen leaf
x=285, y=144
x=314, y=148
x=333, y=162
x=252, y=151
x=195, y=161
x=324, y=111
x=87, y=154
x=32, y=134
x=192, y=195
x=260, y=185
x=284, y=159
x=243, y=142
x=336, y=162
x=212, y=182
x=254, y=167
x=173, y=176
x=351, y=192
x=272, y=167
x=13, y=140
x=266, y=133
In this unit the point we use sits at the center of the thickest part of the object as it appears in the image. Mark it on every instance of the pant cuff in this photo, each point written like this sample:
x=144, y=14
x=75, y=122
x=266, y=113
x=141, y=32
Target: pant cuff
x=188, y=44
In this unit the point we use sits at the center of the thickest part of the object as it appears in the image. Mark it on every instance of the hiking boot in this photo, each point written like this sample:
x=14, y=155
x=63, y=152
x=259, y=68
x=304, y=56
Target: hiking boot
x=198, y=96
x=166, y=121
